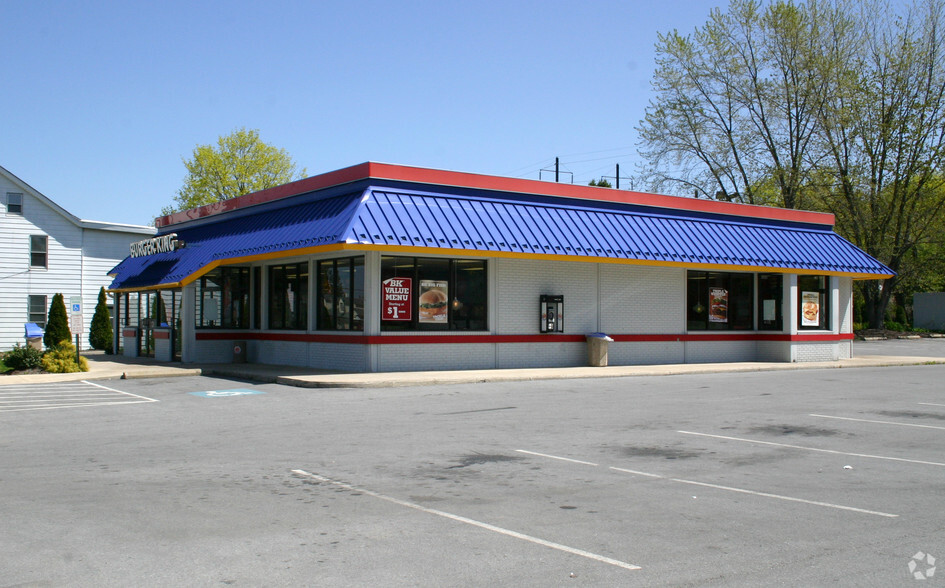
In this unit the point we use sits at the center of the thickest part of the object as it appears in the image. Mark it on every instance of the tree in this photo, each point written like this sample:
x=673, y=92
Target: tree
x=57, y=323
x=240, y=163
x=737, y=103
x=100, y=331
x=833, y=105
x=602, y=183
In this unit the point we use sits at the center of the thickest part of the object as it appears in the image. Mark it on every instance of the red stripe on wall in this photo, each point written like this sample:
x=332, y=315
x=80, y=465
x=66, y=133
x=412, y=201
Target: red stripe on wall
x=450, y=339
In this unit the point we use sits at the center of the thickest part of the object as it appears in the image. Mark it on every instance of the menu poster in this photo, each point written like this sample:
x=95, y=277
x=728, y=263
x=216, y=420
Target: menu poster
x=718, y=305
x=433, y=301
x=810, y=309
x=396, y=299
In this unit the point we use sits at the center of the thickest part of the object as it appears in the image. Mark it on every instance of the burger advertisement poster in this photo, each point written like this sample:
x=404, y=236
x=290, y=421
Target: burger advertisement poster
x=810, y=309
x=718, y=305
x=433, y=301
x=397, y=299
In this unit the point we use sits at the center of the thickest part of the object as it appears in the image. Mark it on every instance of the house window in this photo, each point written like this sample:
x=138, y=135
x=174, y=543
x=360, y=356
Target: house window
x=223, y=298
x=813, y=304
x=288, y=296
x=14, y=203
x=37, y=310
x=718, y=301
x=39, y=249
x=341, y=294
x=770, y=294
x=445, y=294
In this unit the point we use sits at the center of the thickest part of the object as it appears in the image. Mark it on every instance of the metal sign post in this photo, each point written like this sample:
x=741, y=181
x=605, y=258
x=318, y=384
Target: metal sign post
x=76, y=324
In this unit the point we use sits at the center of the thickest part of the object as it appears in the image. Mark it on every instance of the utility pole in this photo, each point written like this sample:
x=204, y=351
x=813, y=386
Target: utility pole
x=556, y=170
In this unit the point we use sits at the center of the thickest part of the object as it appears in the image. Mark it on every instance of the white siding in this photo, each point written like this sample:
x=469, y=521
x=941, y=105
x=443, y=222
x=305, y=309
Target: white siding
x=78, y=258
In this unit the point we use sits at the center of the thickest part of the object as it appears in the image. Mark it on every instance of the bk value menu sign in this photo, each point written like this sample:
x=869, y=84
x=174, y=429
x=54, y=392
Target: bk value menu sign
x=396, y=299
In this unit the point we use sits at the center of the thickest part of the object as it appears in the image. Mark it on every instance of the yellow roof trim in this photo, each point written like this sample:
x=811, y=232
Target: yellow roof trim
x=409, y=250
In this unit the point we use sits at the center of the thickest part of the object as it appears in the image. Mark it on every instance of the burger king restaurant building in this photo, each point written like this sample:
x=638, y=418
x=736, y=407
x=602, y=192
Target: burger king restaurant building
x=381, y=267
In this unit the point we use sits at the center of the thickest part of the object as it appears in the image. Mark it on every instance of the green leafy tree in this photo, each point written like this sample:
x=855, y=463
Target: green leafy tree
x=57, y=323
x=833, y=105
x=100, y=332
x=238, y=164
x=602, y=183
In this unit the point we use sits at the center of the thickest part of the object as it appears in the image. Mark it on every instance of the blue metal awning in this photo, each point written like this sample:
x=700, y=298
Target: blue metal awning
x=484, y=225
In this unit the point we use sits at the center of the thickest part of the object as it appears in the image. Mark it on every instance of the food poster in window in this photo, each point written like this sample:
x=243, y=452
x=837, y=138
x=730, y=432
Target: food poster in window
x=718, y=305
x=810, y=309
x=397, y=299
x=433, y=301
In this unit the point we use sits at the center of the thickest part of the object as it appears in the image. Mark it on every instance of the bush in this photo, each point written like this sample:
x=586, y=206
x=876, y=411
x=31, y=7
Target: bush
x=23, y=358
x=100, y=332
x=57, y=324
x=894, y=326
x=61, y=360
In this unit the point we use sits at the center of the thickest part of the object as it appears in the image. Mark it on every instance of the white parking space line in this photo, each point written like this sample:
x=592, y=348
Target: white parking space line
x=866, y=455
x=468, y=521
x=839, y=418
x=931, y=404
x=63, y=395
x=727, y=488
x=557, y=457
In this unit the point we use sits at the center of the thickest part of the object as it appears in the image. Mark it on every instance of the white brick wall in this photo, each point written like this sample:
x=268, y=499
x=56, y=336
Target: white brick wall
x=719, y=351
x=347, y=358
x=642, y=300
x=458, y=356
x=520, y=283
x=514, y=355
x=817, y=351
x=773, y=351
x=646, y=352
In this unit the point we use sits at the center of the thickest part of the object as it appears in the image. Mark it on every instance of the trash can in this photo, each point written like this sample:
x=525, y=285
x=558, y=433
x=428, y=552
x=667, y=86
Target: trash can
x=34, y=336
x=597, y=344
x=239, y=351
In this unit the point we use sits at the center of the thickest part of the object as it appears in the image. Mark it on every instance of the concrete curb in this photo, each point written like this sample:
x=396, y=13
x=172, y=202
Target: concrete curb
x=401, y=379
x=302, y=378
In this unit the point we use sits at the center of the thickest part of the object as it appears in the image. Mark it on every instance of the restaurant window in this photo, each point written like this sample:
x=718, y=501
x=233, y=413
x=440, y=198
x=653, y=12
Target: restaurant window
x=770, y=295
x=813, y=305
x=433, y=294
x=257, y=298
x=39, y=251
x=288, y=296
x=718, y=301
x=223, y=299
x=37, y=310
x=341, y=294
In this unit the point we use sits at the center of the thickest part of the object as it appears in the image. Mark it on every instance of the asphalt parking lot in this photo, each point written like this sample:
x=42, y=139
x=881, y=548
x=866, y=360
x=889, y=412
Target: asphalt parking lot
x=800, y=478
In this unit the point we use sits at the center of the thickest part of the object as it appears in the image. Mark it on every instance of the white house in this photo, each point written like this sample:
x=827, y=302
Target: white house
x=45, y=250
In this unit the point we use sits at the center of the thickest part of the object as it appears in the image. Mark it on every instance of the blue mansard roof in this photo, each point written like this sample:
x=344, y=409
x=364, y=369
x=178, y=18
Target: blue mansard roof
x=410, y=218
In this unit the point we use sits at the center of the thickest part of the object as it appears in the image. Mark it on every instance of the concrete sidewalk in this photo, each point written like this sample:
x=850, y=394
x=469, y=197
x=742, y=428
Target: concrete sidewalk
x=104, y=367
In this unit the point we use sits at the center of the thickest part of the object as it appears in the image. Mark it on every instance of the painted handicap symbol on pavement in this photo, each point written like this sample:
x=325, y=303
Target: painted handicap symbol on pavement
x=224, y=393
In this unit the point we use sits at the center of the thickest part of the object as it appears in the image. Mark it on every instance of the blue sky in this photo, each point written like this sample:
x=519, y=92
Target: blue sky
x=101, y=100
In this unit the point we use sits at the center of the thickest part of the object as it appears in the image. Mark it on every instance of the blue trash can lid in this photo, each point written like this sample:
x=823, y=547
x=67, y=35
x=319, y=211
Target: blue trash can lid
x=33, y=330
